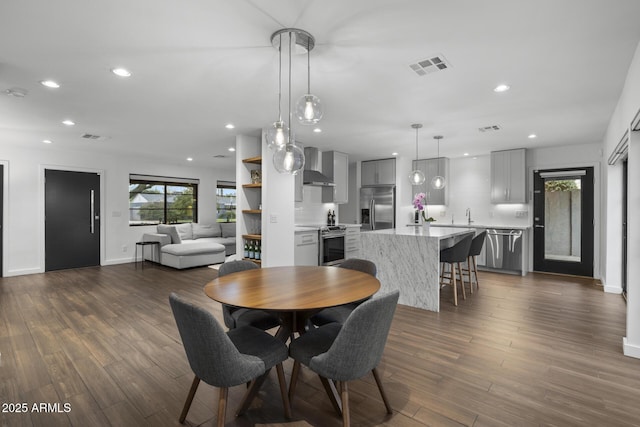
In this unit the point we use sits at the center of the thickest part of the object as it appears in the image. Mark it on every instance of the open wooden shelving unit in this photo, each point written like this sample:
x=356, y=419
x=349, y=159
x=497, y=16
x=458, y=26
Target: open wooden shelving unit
x=257, y=160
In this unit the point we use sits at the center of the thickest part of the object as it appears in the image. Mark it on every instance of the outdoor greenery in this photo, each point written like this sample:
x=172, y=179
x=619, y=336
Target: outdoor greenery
x=161, y=203
x=560, y=185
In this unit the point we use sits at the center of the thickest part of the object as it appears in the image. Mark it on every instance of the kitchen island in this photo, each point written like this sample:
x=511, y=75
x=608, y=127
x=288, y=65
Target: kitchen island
x=408, y=259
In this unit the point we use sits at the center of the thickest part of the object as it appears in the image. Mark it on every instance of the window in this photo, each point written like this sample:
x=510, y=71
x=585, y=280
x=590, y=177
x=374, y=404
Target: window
x=226, y=201
x=162, y=200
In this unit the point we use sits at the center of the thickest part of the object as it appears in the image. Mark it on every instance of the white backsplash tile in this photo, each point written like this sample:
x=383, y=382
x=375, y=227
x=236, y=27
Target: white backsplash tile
x=311, y=210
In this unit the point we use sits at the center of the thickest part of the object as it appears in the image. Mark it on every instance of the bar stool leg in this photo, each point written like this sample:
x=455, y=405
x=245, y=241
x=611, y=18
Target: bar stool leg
x=464, y=293
x=475, y=271
x=455, y=284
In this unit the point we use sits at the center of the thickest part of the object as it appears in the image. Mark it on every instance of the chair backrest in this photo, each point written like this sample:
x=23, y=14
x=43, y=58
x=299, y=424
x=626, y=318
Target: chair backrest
x=360, y=343
x=458, y=252
x=477, y=243
x=235, y=266
x=362, y=265
x=212, y=356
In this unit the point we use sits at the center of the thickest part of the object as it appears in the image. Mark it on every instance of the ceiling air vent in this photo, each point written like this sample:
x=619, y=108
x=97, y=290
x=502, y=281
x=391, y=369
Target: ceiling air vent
x=489, y=128
x=93, y=137
x=430, y=65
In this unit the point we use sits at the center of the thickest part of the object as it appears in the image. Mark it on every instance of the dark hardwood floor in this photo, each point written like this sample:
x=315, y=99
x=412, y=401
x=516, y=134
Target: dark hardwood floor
x=523, y=351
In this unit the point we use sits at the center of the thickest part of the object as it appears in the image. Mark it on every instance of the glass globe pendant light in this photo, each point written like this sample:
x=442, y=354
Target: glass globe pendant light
x=289, y=158
x=416, y=177
x=309, y=108
x=278, y=132
x=438, y=182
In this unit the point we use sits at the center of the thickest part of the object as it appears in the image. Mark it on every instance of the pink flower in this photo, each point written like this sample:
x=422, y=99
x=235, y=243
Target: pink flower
x=419, y=200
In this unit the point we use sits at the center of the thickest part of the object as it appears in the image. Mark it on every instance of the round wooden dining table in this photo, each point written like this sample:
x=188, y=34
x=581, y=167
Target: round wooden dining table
x=294, y=292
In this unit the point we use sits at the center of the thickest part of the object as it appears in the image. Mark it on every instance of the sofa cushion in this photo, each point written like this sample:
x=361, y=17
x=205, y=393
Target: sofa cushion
x=201, y=231
x=171, y=231
x=228, y=229
x=193, y=247
x=185, y=231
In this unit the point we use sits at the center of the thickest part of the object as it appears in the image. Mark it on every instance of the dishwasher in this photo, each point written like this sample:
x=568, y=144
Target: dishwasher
x=504, y=250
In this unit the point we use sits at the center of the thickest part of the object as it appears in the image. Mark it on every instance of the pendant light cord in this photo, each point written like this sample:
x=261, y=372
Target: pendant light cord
x=308, y=65
x=290, y=114
x=280, y=79
x=416, y=143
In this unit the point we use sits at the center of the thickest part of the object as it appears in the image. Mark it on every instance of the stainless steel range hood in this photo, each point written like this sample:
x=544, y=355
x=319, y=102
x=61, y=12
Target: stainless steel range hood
x=312, y=167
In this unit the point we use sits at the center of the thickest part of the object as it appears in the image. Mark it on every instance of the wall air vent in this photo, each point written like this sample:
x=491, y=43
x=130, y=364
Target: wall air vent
x=430, y=65
x=489, y=128
x=220, y=156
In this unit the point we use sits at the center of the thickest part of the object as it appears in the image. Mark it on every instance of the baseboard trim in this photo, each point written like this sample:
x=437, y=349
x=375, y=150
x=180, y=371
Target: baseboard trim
x=118, y=261
x=630, y=349
x=612, y=289
x=23, y=272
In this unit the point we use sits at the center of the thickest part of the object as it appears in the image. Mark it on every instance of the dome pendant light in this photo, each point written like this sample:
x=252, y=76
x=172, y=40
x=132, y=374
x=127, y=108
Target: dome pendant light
x=438, y=182
x=278, y=133
x=416, y=177
x=309, y=107
x=289, y=158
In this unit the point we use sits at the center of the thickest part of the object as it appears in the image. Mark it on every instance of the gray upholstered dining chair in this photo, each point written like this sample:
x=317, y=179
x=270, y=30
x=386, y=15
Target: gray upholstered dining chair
x=340, y=313
x=472, y=265
x=244, y=354
x=236, y=316
x=347, y=352
x=454, y=256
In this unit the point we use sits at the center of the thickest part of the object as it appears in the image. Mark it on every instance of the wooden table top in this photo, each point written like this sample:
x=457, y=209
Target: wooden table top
x=292, y=288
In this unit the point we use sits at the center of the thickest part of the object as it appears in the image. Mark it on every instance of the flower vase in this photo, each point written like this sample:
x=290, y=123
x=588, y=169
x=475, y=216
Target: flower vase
x=426, y=225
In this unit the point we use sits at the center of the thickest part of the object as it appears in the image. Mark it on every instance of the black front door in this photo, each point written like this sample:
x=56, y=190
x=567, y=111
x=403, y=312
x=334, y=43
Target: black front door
x=563, y=221
x=72, y=219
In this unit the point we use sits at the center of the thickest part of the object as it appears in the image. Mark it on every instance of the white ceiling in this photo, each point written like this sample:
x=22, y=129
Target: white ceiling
x=198, y=65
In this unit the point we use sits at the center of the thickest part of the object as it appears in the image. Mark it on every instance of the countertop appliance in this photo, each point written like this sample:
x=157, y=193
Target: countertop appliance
x=504, y=250
x=378, y=207
x=332, y=243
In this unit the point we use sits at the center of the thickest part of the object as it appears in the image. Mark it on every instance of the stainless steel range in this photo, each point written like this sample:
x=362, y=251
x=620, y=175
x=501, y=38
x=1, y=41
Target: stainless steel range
x=332, y=244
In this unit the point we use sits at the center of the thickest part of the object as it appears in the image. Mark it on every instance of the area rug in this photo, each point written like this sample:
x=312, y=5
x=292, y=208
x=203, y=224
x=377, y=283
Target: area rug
x=227, y=259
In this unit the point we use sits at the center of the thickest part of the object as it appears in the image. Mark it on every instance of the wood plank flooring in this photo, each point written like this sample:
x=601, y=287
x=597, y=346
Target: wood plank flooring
x=522, y=351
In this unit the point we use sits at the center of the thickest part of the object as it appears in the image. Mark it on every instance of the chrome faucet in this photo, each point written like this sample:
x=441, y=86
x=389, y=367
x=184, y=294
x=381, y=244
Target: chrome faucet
x=468, y=215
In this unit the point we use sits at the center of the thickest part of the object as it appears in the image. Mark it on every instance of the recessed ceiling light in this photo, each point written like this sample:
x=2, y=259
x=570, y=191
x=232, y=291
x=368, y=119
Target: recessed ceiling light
x=394, y=154
x=47, y=141
x=232, y=149
x=122, y=72
x=533, y=135
x=68, y=122
x=502, y=88
x=465, y=154
x=189, y=159
x=229, y=126
x=317, y=130
x=50, y=83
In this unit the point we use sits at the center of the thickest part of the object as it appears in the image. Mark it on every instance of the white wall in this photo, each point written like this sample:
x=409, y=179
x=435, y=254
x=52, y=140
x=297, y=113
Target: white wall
x=24, y=204
x=627, y=107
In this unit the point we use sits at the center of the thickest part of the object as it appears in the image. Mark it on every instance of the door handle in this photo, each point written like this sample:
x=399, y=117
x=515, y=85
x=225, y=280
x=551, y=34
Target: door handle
x=539, y=226
x=92, y=213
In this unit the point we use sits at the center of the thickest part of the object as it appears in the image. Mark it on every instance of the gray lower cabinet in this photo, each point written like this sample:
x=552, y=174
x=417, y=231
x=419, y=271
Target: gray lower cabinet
x=378, y=172
x=352, y=244
x=432, y=168
x=508, y=176
x=306, y=252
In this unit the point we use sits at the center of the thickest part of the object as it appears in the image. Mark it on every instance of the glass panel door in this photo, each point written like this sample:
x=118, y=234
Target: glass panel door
x=563, y=221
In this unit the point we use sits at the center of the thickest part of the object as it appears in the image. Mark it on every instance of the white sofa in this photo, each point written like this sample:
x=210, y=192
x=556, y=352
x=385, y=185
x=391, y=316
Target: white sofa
x=192, y=244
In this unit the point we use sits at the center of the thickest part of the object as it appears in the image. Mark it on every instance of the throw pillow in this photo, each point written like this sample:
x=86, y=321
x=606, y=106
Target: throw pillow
x=185, y=231
x=171, y=231
x=206, y=230
x=228, y=229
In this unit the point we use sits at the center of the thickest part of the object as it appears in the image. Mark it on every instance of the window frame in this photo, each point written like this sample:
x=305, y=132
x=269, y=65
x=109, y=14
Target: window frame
x=227, y=185
x=164, y=182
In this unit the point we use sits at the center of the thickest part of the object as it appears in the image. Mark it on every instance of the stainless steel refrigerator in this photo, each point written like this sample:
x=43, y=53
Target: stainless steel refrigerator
x=378, y=207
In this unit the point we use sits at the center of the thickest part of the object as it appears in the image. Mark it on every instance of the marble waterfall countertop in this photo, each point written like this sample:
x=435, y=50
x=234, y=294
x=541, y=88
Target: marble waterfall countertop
x=408, y=259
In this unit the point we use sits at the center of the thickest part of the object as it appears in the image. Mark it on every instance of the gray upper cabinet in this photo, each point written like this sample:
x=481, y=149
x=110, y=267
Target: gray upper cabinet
x=508, y=176
x=335, y=165
x=431, y=168
x=378, y=172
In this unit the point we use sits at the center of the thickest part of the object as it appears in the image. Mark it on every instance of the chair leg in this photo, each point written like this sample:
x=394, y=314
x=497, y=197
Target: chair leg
x=187, y=404
x=475, y=272
x=294, y=381
x=332, y=394
x=344, y=394
x=469, y=265
x=464, y=293
x=385, y=399
x=283, y=391
x=251, y=393
x=455, y=285
x=222, y=405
